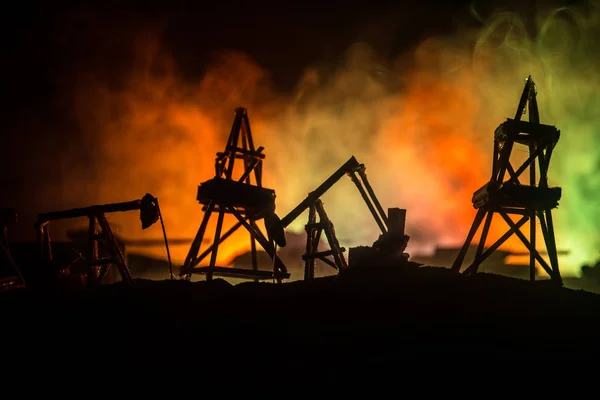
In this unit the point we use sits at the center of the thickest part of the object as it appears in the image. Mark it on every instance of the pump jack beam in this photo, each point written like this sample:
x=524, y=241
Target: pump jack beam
x=98, y=267
x=356, y=172
x=350, y=168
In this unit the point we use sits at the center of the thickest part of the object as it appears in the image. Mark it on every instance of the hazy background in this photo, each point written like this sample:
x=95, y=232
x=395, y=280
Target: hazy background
x=106, y=104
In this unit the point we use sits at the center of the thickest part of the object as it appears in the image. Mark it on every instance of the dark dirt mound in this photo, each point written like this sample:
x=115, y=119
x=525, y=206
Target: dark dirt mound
x=377, y=315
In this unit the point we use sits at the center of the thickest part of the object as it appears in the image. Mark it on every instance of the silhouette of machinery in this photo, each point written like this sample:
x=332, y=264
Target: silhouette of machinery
x=137, y=262
x=248, y=202
x=98, y=267
x=512, y=197
x=11, y=277
x=392, y=230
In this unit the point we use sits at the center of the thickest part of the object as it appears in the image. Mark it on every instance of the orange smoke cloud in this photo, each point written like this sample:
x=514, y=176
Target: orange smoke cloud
x=159, y=135
x=424, y=132
x=422, y=148
x=441, y=150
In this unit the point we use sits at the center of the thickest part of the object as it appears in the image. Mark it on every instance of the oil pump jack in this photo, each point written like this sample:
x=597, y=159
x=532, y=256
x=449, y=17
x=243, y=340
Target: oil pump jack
x=391, y=242
x=250, y=202
x=98, y=267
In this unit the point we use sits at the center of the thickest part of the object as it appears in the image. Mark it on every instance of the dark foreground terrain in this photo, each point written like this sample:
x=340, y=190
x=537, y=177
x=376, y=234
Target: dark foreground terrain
x=360, y=321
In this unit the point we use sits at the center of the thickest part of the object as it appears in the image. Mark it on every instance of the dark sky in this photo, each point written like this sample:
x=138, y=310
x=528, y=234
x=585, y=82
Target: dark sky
x=43, y=41
x=46, y=45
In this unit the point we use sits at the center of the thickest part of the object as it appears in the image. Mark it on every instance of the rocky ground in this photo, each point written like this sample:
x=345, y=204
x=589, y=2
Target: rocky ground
x=367, y=317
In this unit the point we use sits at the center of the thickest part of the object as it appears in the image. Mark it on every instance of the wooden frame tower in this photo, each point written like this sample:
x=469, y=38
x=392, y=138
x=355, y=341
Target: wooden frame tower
x=507, y=195
x=248, y=202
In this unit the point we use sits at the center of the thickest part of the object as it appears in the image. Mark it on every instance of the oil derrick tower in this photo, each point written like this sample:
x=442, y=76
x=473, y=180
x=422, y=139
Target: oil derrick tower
x=507, y=195
x=248, y=202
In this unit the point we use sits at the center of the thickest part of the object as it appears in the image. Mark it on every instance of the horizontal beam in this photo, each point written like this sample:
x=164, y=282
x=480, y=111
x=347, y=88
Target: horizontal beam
x=349, y=166
x=89, y=211
x=240, y=273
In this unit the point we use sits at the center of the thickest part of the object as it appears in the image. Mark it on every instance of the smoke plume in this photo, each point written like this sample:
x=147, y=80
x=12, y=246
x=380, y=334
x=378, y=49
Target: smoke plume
x=422, y=124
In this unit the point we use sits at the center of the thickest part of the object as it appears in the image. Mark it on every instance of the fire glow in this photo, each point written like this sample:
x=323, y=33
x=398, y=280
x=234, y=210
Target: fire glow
x=424, y=132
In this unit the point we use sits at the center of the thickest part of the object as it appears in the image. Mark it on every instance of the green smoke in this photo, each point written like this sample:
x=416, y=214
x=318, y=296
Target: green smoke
x=561, y=50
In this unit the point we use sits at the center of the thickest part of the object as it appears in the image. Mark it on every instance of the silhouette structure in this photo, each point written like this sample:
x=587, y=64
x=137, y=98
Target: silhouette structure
x=248, y=202
x=98, y=267
x=389, y=241
x=511, y=197
x=314, y=229
x=591, y=272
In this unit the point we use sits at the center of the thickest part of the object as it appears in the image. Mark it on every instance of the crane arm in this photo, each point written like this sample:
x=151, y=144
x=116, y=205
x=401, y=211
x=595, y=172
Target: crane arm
x=349, y=166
